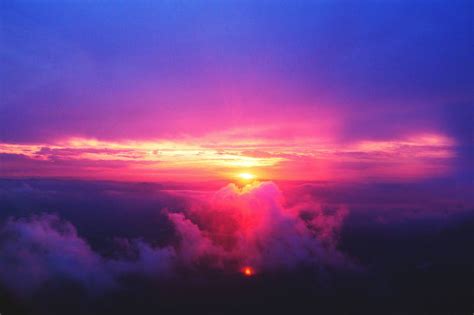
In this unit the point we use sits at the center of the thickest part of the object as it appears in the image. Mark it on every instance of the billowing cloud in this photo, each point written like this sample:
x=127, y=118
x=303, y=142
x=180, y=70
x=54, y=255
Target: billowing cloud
x=42, y=248
x=238, y=227
x=251, y=226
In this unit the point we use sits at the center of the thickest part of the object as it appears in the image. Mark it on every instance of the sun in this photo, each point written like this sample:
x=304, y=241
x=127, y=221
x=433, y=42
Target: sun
x=246, y=176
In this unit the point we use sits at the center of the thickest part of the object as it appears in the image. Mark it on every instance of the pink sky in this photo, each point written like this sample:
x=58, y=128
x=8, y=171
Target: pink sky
x=172, y=91
x=224, y=157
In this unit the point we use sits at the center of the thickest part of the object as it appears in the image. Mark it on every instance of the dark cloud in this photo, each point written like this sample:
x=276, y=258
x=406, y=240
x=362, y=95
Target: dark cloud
x=43, y=248
x=111, y=247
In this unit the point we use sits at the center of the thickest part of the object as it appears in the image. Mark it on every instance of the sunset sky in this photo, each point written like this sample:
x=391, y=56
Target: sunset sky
x=188, y=90
x=236, y=157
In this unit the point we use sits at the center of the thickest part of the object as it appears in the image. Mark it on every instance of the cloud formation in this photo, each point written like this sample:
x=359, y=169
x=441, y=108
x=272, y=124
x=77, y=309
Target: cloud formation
x=251, y=226
x=415, y=157
x=42, y=248
x=238, y=227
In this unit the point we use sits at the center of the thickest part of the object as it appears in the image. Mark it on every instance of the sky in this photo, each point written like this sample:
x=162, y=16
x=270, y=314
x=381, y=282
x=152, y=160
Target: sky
x=210, y=157
x=192, y=91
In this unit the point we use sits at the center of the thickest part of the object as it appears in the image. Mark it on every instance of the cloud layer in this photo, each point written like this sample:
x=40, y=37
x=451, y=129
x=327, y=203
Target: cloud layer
x=164, y=248
x=238, y=227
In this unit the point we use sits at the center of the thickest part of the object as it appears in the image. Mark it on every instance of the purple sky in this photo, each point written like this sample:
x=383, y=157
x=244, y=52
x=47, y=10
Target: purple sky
x=341, y=76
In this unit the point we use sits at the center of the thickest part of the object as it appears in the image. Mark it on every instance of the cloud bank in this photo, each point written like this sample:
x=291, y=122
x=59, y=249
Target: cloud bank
x=237, y=227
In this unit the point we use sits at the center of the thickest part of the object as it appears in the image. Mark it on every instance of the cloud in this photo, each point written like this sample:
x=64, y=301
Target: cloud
x=418, y=156
x=251, y=226
x=42, y=248
x=129, y=254
x=235, y=227
x=146, y=259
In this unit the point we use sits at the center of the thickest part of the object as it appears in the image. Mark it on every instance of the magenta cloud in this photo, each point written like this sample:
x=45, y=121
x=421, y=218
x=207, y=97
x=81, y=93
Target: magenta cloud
x=251, y=226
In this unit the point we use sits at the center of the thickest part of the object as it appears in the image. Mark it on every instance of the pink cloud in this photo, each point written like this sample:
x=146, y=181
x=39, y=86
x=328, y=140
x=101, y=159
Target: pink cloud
x=250, y=226
x=223, y=156
x=237, y=227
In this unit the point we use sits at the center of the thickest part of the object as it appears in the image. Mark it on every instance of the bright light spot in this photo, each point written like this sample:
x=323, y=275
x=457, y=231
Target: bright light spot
x=248, y=271
x=246, y=176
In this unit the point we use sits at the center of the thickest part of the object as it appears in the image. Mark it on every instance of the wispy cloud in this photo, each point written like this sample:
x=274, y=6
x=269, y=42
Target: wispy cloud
x=421, y=155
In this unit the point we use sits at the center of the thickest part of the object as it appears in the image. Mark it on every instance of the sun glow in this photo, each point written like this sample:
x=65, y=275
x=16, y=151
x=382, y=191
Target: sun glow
x=246, y=176
x=249, y=160
x=248, y=271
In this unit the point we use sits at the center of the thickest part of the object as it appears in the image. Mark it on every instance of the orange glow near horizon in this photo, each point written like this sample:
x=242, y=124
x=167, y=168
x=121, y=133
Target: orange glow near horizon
x=248, y=271
x=246, y=176
x=417, y=156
